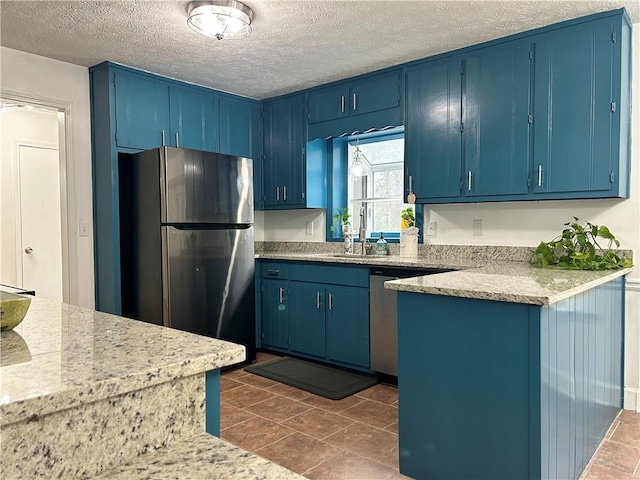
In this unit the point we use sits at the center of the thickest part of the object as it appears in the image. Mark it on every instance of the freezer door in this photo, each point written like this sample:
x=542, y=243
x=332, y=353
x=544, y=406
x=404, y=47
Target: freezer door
x=204, y=187
x=209, y=283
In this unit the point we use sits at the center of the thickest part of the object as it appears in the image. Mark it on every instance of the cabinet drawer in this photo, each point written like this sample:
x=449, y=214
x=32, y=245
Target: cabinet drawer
x=330, y=274
x=274, y=270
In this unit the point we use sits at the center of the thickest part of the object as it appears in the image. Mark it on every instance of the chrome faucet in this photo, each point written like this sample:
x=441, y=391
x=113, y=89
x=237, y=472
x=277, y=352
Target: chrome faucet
x=362, y=231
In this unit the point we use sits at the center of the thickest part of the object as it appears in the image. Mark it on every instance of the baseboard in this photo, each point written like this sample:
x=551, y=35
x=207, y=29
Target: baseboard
x=631, y=399
x=633, y=285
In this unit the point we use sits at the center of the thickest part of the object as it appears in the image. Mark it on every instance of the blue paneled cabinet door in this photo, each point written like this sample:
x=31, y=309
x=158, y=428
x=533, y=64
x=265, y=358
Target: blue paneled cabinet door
x=142, y=111
x=574, y=108
x=284, y=152
x=275, y=314
x=329, y=103
x=192, y=121
x=307, y=318
x=348, y=325
x=496, y=120
x=433, y=138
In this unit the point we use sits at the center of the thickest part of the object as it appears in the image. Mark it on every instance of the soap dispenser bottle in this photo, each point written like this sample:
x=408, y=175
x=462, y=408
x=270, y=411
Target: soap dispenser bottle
x=381, y=246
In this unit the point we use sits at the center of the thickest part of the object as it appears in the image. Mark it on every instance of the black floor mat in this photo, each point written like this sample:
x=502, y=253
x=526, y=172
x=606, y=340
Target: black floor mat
x=319, y=379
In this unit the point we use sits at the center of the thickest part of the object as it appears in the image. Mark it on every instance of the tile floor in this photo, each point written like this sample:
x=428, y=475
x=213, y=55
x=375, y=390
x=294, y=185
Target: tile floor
x=357, y=437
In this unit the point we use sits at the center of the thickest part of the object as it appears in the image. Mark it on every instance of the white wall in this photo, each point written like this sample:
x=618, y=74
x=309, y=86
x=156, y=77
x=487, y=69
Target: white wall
x=46, y=79
x=290, y=225
x=17, y=125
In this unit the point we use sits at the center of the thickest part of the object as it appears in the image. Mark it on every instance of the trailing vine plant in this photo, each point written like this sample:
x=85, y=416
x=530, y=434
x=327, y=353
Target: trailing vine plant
x=577, y=248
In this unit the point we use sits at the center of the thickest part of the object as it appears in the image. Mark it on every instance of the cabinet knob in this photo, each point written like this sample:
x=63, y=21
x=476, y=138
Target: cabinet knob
x=28, y=250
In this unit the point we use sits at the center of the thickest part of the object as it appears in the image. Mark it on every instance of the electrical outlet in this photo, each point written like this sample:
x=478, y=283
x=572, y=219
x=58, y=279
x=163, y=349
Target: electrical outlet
x=432, y=229
x=309, y=229
x=477, y=228
x=83, y=229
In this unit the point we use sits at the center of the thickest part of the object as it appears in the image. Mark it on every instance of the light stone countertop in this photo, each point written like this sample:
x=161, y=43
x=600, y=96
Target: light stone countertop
x=203, y=457
x=514, y=282
x=62, y=356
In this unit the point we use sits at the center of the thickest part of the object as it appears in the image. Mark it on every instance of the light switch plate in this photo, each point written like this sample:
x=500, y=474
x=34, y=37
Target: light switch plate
x=309, y=229
x=432, y=229
x=477, y=228
x=83, y=229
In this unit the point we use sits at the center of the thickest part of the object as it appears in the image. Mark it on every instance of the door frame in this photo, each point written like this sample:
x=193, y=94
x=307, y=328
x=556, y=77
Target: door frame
x=65, y=165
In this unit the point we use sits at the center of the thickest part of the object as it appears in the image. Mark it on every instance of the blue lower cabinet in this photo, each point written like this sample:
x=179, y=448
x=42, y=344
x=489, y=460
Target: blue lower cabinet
x=493, y=390
x=275, y=314
x=307, y=318
x=348, y=325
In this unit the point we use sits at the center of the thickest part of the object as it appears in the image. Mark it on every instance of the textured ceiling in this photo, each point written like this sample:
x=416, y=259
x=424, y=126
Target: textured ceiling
x=294, y=44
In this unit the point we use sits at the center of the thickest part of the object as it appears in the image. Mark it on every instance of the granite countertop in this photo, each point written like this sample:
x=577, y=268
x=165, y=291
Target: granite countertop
x=62, y=356
x=514, y=282
x=479, y=277
x=202, y=457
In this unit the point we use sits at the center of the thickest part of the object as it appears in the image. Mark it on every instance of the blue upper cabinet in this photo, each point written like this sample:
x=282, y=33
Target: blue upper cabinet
x=433, y=138
x=495, y=120
x=373, y=101
x=239, y=134
x=581, y=99
x=192, y=120
x=141, y=110
x=284, y=152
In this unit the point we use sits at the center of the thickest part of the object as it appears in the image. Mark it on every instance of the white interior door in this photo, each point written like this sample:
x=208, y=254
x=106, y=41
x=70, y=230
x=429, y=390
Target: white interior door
x=41, y=232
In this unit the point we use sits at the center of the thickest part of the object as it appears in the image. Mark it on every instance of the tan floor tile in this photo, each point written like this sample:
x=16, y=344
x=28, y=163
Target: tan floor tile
x=372, y=413
x=244, y=396
x=331, y=405
x=612, y=428
x=288, y=391
x=227, y=383
x=598, y=472
x=617, y=456
x=318, y=423
x=380, y=393
x=298, y=452
x=370, y=442
x=347, y=466
x=235, y=373
x=278, y=409
x=258, y=381
x=255, y=433
x=230, y=415
x=628, y=434
x=632, y=418
x=392, y=428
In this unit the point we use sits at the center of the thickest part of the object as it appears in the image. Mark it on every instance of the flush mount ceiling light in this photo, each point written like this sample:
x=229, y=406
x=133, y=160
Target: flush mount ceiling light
x=221, y=19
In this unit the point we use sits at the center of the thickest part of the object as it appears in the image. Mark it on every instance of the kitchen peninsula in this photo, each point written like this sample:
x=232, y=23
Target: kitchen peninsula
x=84, y=392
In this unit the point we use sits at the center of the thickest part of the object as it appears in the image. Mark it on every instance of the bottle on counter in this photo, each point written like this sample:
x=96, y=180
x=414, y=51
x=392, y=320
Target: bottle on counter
x=381, y=246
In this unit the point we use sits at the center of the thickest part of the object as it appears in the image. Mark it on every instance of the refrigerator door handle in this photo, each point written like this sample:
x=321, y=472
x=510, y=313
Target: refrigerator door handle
x=166, y=305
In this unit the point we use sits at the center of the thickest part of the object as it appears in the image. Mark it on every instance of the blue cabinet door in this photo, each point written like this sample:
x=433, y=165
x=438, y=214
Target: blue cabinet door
x=574, y=113
x=496, y=120
x=374, y=93
x=348, y=325
x=307, y=318
x=433, y=138
x=142, y=111
x=239, y=134
x=275, y=331
x=329, y=103
x=192, y=120
x=284, y=152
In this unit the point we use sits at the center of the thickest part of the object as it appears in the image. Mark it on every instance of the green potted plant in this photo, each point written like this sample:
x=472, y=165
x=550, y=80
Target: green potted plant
x=407, y=218
x=342, y=218
x=577, y=248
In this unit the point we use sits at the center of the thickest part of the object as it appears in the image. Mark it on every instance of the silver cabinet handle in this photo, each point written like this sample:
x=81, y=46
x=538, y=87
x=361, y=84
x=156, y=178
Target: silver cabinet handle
x=330, y=301
x=469, y=177
x=341, y=103
x=318, y=300
x=410, y=183
x=284, y=192
x=281, y=294
x=278, y=194
x=539, y=175
x=163, y=143
x=28, y=250
x=355, y=105
x=177, y=142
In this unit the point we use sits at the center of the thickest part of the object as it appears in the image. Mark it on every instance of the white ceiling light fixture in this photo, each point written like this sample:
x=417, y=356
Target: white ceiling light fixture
x=221, y=19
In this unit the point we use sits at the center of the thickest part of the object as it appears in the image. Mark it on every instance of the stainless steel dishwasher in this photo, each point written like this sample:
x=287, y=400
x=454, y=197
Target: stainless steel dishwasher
x=383, y=315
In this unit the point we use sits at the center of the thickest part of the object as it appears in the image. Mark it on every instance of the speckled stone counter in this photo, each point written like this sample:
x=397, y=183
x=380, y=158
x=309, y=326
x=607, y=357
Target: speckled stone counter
x=202, y=457
x=515, y=282
x=82, y=391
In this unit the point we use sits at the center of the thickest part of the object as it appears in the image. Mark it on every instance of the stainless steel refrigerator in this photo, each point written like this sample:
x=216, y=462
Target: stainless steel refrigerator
x=186, y=242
